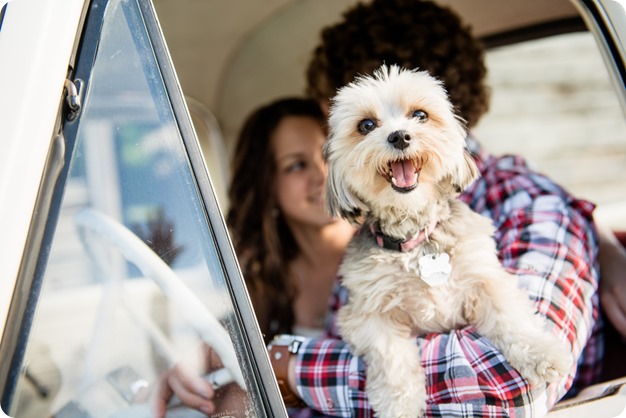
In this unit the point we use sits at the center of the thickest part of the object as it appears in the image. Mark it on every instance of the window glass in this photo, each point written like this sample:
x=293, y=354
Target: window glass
x=134, y=282
x=553, y=102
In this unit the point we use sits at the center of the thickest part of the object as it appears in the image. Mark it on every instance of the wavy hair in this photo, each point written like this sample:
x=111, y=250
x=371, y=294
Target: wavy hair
x=263, y=242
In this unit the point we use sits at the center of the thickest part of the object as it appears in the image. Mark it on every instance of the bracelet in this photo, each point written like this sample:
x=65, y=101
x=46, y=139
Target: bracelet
x=280, y=351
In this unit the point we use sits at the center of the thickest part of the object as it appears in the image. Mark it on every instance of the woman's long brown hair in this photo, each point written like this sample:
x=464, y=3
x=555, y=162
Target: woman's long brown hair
x=263, y=242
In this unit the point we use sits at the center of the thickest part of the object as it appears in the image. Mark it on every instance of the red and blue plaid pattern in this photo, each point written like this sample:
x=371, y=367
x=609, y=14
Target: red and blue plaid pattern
x=545, y=237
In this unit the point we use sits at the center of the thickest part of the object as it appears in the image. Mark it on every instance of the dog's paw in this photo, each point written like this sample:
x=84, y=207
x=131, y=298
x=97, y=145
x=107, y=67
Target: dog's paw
x=546, y=360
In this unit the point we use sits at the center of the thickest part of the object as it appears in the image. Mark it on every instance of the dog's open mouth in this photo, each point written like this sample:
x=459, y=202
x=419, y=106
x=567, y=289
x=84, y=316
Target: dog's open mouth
x=403, y=175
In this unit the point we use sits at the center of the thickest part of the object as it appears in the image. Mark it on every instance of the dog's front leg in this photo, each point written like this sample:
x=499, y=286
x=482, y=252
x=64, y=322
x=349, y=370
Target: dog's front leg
x=503, y=313
x=395, y=379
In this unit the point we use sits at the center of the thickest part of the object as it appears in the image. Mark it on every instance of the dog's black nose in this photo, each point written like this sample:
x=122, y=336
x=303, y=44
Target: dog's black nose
x=399, y=139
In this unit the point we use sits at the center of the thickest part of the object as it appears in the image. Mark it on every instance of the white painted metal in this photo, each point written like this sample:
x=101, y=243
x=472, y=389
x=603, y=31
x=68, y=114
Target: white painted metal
x=36, y=42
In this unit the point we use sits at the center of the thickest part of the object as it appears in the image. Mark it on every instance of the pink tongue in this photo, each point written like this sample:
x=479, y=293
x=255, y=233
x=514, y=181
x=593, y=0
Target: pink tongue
x=404, y=173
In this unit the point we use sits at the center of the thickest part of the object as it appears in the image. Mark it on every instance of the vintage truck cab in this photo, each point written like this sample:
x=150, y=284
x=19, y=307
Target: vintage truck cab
x=115, y=260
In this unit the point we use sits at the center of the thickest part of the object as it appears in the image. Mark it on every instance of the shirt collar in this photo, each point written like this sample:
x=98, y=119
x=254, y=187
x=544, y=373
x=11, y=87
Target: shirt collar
x=481, y=156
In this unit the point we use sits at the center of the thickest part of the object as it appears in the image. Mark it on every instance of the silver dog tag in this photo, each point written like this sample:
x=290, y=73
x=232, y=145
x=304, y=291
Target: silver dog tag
x=435, y=268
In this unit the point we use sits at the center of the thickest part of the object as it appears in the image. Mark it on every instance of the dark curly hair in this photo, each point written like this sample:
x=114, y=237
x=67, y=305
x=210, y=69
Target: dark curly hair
x=263, y=242
x=409, y=33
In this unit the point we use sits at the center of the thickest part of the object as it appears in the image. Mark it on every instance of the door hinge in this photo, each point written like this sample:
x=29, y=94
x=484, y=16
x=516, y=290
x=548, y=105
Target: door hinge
x=74, y=97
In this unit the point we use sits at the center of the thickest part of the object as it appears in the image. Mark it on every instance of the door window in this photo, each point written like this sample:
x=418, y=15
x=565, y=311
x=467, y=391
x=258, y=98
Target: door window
x=135, y=280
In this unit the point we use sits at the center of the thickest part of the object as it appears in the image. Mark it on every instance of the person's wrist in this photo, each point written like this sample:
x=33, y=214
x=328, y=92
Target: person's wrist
x=282, y=351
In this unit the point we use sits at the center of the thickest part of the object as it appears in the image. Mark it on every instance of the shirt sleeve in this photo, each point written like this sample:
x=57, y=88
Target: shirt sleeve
x=547, y=239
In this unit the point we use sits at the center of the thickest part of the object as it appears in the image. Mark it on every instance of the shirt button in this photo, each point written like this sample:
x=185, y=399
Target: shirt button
x=329, y=403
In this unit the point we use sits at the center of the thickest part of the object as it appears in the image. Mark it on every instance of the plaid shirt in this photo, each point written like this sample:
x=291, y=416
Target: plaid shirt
x=547, y=239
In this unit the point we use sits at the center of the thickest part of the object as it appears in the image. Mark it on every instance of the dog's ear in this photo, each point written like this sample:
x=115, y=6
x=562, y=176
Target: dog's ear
x=466, y=173
x=340, y=201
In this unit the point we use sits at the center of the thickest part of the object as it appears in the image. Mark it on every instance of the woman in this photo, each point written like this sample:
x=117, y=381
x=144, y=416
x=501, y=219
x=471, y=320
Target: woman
x=289, y=249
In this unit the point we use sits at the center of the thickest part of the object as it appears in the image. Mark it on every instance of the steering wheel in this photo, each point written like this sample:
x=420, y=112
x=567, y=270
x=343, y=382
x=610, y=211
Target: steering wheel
x=152, y=266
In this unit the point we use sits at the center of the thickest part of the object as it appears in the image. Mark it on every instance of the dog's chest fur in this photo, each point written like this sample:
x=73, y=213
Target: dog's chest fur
x=383, y=281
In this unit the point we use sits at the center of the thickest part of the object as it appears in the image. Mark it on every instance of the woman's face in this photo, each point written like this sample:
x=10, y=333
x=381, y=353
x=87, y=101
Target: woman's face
x=300, y=171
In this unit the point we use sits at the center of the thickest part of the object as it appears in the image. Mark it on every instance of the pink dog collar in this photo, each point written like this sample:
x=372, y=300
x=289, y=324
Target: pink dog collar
x=397, y=244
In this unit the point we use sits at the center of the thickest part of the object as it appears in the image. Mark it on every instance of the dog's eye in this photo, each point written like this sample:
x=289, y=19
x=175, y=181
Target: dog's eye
x=420, y=115
x=366, y=126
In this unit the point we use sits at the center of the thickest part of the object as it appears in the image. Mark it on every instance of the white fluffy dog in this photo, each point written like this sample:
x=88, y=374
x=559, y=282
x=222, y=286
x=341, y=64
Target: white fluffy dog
x=423, y=261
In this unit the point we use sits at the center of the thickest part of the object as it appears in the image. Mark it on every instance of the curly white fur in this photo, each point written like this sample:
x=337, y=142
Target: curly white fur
x=388, y=300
